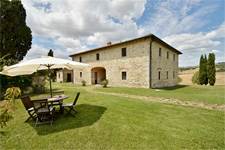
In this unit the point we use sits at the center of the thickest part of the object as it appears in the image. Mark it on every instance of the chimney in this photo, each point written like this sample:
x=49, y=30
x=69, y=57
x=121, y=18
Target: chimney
x=109, y=43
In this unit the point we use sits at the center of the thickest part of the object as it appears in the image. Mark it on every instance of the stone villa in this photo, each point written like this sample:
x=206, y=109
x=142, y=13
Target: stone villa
x=141, y=62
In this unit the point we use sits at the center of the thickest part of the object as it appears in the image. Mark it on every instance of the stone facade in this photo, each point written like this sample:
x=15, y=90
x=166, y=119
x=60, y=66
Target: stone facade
x=139, y=68
x=64, y=75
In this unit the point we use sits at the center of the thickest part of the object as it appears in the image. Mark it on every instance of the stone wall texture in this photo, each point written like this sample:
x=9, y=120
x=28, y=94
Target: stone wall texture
x=136, y=64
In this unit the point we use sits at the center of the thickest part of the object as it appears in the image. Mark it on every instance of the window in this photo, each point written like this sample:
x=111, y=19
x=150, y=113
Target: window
x=167, y=75
x=167, y=55
x=80, y=74
x=124, y=75
x=59, y=75
x=97, y=56
x=124, y=52
x=174, y=57
x=160, y=51
x=159, y=75
x=80, y=59
x=174, y=74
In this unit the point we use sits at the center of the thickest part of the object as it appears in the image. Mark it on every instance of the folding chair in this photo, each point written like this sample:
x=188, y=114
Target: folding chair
x=69, y=107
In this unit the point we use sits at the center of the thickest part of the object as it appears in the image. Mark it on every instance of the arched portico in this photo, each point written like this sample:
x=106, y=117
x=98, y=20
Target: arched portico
x=97, y=75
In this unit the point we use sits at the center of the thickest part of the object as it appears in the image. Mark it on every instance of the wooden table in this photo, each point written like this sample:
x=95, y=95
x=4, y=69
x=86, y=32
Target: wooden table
x=57, y=100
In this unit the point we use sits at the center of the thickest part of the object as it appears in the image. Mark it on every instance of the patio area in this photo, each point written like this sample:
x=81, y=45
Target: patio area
x=113, y=122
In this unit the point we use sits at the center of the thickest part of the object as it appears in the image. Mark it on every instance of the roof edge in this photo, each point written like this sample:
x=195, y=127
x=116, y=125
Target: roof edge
x=127, y=41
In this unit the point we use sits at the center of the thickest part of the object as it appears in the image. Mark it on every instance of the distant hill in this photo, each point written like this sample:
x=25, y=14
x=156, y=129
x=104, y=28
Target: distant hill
x=220, y=67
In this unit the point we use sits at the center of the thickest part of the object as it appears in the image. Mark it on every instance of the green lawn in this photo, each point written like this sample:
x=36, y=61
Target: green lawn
x=110, y=122
x=205, y=94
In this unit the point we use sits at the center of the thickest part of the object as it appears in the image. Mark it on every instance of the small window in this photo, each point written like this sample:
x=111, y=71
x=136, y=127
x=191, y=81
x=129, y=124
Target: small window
x=59, y=75
x=124, y=52
x=159, y=75
x=167, y=55
x=80, y=74
x=174, y=74
x=160, y=51
x=124, y=75
x=80, y=59
x=97, y=56
x=174, y=57
x=167, y=75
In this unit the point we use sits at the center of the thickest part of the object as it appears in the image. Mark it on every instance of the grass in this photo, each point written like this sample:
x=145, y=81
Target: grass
x=110, y=122
x=205, y=94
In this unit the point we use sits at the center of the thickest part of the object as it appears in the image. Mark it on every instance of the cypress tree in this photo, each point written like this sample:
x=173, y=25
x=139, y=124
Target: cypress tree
x=205, y=70
x=15, y=35
x=50, y=53
x=211, y=69
x=201, y=70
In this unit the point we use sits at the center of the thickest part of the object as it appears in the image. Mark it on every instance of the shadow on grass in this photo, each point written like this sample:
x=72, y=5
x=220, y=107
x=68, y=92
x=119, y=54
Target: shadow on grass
x=174, y=87
x=86, y=116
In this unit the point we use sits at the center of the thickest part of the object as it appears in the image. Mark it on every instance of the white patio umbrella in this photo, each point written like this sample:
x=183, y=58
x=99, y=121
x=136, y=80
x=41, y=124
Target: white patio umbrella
x=43, y=63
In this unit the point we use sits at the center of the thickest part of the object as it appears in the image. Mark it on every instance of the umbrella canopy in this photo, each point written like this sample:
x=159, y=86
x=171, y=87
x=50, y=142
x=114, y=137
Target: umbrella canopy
x=43, y=63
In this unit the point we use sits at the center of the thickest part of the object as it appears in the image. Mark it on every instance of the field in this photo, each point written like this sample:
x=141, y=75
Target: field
x=107, y=121
x=186, y=77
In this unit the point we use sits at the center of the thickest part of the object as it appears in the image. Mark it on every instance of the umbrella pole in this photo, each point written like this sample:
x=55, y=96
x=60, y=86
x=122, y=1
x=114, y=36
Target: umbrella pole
x=50, y=82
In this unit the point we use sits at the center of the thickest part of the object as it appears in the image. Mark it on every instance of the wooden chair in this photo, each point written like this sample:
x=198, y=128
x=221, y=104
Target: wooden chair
x=45, y=113
x=29, y=107
x=69, y=107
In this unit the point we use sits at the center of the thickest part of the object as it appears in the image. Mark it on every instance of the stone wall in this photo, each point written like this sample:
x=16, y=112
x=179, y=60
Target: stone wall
x=162, y=64
x=61, y=75
x=135, y=64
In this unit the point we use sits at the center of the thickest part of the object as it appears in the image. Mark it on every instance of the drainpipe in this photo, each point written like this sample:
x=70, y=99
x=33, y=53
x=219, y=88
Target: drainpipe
x=150, y=63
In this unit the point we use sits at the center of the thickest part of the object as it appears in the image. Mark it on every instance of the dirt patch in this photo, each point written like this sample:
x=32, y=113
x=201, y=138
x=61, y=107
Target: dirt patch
x=164, y=100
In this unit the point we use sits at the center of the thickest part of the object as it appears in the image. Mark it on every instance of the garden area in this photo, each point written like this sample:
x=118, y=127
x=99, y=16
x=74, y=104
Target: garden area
x=108, y=121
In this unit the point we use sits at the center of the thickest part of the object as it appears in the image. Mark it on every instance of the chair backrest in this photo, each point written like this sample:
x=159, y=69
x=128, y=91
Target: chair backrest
x=27, y=102
x=76, y=98
x=42, y=103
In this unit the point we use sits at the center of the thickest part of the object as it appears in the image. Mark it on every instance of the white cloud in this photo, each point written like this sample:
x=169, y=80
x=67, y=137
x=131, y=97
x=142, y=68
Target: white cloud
x=174, y=17
x=38, y=51
x=82, y=24
x=76, y=24
x=194, y=41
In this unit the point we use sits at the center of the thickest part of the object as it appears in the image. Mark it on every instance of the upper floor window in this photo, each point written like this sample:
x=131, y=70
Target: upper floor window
x=174, y=57
x=124, y=52
x=124, y=75
x=97, y=56
x=80, y=74
x=160, y=51
x=159, y=75
x=167, y=75
x=167, y=55
x=80, y=59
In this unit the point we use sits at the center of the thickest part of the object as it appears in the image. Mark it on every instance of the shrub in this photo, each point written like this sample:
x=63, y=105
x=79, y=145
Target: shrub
x=83, y=83
x=195, y=78
x=7, y=106
x=104, y=83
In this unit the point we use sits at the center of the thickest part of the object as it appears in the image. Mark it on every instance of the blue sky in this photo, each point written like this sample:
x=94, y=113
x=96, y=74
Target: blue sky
x=194, y=27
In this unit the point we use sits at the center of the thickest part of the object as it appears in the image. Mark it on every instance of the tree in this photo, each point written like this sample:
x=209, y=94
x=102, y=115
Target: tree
x=206, y=70
x=203, y=70
x=211, y=69
x=50, y=53
x=15, y=35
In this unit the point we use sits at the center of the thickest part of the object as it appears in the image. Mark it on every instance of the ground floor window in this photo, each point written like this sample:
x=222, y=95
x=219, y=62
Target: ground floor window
x=124, y=75
x=174, y=74
x=159, y=75
x=167, y=75
x=80, y=74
